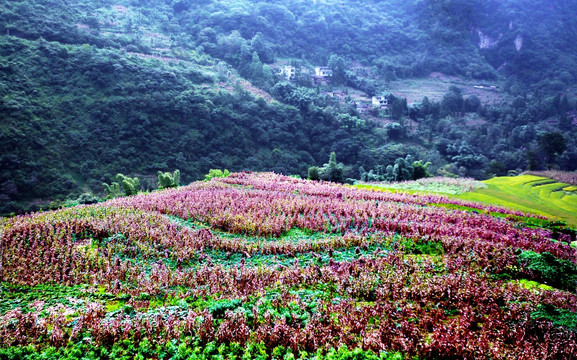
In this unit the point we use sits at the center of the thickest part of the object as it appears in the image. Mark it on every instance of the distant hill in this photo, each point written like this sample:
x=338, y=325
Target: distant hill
x=481, y=38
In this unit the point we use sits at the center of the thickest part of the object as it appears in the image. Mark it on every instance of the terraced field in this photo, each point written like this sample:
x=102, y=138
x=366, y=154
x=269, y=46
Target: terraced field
x=527, y=193
x=259, y=266
x=531, y=194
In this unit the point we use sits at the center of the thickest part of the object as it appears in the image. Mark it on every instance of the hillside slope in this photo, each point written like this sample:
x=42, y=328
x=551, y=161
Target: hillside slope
x=269, y=266
x=75, y=116
x=91, y=89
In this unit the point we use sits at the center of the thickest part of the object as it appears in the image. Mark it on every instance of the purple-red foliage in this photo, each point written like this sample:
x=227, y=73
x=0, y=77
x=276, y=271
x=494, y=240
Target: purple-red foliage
x=433, y=308
x=566, y=177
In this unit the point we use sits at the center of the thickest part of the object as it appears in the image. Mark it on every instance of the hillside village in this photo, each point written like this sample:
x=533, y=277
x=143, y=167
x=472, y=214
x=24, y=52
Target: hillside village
x=378, y=106
x=322, y=77
x=125, y=22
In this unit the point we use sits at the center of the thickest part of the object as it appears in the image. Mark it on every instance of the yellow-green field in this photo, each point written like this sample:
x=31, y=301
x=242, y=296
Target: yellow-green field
x=530, y=194
x=527, y=193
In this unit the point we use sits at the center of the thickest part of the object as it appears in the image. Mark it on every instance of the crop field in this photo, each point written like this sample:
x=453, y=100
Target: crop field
x=439, y=185
x=530, y=193
x=260, y=266
x=435, y=86
x=554, y=197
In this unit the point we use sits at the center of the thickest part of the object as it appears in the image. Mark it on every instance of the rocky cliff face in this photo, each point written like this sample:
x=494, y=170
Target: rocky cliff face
x=487, y=41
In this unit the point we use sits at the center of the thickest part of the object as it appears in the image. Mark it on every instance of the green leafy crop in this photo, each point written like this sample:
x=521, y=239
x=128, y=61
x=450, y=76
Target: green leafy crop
x=556, y=272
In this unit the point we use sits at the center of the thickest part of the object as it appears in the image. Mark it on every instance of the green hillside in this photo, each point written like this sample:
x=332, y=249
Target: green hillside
x=89, y=89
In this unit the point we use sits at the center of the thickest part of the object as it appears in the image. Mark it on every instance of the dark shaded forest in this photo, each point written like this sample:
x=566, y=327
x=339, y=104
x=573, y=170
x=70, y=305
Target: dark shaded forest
x=89, y=89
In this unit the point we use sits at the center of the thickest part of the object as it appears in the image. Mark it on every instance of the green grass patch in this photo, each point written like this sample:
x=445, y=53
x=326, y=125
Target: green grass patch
x=532, y=285
x=530, y=194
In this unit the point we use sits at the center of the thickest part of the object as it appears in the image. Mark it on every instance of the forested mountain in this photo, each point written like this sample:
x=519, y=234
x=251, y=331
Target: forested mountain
x=89, y=89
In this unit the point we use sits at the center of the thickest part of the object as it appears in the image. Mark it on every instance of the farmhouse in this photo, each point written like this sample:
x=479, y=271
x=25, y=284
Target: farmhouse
x=361, y=107
x=323, y=71
x=322, y=75
x=380, y=101
x=289, y=72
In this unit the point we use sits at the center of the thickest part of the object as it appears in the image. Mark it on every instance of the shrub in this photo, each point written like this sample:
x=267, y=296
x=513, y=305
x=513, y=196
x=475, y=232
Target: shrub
x=314, y=173
x=113, y=190
x=332, y=171
x=420, y=170
x=129, y=185
x=216, y=173
x=168, y=180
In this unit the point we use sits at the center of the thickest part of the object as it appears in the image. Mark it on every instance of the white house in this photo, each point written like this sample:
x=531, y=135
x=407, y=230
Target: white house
x=323, y=71
x=289, y=72
x=380, y=101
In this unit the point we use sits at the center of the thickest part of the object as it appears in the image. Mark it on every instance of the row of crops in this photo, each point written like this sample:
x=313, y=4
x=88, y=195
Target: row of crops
x=263, y=265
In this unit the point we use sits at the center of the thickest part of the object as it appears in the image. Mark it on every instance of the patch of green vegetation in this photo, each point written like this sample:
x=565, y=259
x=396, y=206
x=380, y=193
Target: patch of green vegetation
x=530, y=194
x=216, y=173
x=283, y=260
x=291, y=313
x=220, y=307
x=559, y=317
x=559, y=273
x=144, y=296
x=13, y=296
x=533, y=285
x=299, y=233
x=270, y=303
x=422, y=247
x=185, y=348
x=114, y=305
